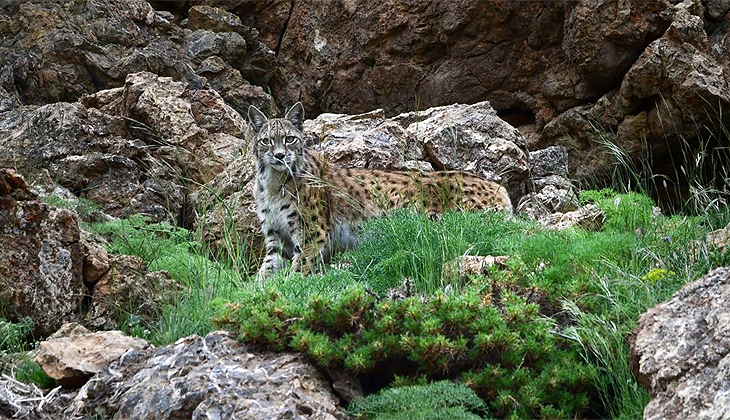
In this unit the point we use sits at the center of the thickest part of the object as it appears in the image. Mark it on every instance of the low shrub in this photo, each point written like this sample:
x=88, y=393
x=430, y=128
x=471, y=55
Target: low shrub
x=511, y=356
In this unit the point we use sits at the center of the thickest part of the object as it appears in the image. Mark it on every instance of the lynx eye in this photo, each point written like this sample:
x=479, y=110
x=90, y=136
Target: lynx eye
x=291, y=139
x=265, y=141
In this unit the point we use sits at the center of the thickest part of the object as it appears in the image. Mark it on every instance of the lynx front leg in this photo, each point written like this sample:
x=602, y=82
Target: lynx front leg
x=273, y=260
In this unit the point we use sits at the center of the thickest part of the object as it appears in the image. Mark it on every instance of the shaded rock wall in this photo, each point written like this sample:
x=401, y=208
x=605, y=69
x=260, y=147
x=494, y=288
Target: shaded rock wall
x=57, y=50
x=641, y=74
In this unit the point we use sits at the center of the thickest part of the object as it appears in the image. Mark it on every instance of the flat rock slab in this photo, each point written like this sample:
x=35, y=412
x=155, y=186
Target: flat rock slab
x=74, y=358
x=681, y=352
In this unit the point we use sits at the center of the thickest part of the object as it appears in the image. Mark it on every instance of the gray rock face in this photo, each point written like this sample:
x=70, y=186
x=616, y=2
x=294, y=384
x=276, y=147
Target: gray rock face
x=680, y=352
x=58, y=51
x=130, y=149
x=551, y=160
x=42, y=258
x=211, y=377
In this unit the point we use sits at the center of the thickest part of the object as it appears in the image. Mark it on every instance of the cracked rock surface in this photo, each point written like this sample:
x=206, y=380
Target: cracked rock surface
x=680, y=352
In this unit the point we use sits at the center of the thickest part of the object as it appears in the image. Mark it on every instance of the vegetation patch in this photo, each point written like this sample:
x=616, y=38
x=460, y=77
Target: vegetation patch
x=543, y=337
x=489, y=332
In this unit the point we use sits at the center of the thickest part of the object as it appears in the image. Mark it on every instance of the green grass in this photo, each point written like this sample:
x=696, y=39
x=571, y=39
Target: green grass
x=13, y=357
x=203, y=284
x=599, y=282
x=83, y=207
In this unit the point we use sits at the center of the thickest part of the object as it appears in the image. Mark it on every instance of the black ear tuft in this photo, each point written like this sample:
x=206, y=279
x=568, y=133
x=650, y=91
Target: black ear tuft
x=296, y=115
x=256, y=117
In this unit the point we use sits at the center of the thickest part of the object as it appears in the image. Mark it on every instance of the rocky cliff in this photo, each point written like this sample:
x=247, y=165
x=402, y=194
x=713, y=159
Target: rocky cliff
x=648, y=73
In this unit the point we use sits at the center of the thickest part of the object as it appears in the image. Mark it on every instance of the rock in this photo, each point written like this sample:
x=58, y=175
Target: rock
x=680, y=351
x=557, y=181
x=96, y=261
x=353, y=57
x=127, y=292
x=256, y=62
x=588, y=217
x=471, y=265
x=719, y=239
x=549, y=161
x=548, y=200
x=58, y=51
x=471, y=138
x=208, y=377
x=72, y=359
x=53, y=272
x=136, y=149
x=679, y=82
x=41, y=272
x=362, y=141
x=464, y=137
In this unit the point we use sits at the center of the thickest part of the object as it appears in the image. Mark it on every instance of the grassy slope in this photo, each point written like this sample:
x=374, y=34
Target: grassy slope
x=511, y=356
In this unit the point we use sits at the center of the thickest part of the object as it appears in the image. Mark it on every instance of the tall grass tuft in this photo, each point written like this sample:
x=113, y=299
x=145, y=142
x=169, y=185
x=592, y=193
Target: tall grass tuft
x=695, y=178
x=203, y=283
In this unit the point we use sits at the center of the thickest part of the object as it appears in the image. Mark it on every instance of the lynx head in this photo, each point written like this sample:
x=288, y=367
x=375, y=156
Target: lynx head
x=278, y=143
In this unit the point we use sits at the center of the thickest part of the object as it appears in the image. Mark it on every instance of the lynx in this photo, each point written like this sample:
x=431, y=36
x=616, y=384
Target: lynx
x=310, y=209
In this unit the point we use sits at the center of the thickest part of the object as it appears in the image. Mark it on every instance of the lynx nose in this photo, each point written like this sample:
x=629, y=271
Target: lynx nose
x=279, y=155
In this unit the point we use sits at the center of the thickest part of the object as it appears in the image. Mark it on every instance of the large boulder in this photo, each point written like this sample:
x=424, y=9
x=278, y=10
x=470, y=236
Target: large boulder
x=462, y=137
x=42, y=258
x=134, y=149
x=680, y=352
x=211, y=377
x=58, y=51
x=53, y=272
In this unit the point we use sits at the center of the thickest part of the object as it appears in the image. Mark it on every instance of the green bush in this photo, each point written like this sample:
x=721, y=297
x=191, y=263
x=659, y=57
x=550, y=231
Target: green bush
x=511, y=357
x=435, y=401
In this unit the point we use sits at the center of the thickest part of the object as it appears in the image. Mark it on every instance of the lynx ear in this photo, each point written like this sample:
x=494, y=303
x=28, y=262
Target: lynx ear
x=256, y=117
x=296, y=115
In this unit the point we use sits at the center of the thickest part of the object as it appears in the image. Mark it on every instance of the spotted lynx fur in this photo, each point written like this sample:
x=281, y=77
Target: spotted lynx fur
x=309, y=209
